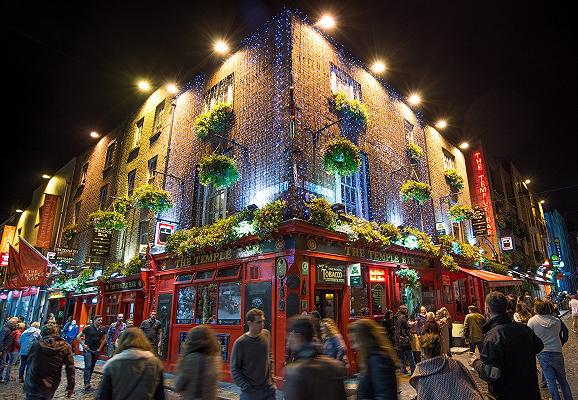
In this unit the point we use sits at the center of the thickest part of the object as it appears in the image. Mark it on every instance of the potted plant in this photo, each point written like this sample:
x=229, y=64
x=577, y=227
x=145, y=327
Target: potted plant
x=455, y=180
x=267, y=219
x=219, y=170
x=341, y=156
x=460, y=213
x=409, y=277
x=217, y=120
x=107, y=221
x=321, y=214
x=414, y=152
x=350, y=109
x=420, y=192
x=152, y=198
x=121, y=204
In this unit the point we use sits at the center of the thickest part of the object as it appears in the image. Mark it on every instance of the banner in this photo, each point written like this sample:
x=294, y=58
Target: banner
x=14, y=270
x=25, y=268
x=7, y=237
x=47, y=217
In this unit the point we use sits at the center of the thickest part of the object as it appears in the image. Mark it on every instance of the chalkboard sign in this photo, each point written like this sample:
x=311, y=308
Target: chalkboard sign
x=479, y=222
x=100, y=244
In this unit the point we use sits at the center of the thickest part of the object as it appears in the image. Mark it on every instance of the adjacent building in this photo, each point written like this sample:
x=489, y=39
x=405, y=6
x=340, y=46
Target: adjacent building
x=561, y=257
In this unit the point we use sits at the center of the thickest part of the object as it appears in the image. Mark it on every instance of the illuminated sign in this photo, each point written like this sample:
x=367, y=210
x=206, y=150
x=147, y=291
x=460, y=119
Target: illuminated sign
x=162, y=232
x=3, y=259
x=507, y=243
x=482, y=190
x=376, y=275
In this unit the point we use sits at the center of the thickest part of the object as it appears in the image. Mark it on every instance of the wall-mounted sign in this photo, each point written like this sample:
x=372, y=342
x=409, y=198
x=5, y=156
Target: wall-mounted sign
x=86, y=291
x=440, y=228
x=479, y=222
x=385, y=256
x=558, y=247
x=47, y=218
x=376, y=275
x=281, y=267
x=354, y=272
x=100, y=244
x=304, y=268
x=331, y=274
x=123, y=285
x=481, y=185
x=507, y=243
x=224, y=339
x=162, y=232
x=7, y=237
x=3, y=260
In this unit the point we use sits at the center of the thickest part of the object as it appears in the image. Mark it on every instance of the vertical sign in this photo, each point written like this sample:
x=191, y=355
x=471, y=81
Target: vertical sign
x=558, y=248
x=482, y=189
x=7, y=238
x=479, y=222
x=47, y=217
x=100, y=244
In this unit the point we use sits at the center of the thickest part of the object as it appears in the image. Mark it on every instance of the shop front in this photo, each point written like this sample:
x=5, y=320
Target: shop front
x=124, y=296
x=85, y=301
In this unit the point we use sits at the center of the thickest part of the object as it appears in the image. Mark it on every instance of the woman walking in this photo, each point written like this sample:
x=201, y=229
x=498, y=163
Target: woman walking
x=200, y=365
x=376, y=359
x=333, y=343
x=402, y=340
x=444, y=332
x=27, y=339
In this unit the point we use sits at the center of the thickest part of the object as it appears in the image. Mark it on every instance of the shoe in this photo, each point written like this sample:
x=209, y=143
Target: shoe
x=544, y=385
x=88, y=388
x=12, y=379
x=20, y=380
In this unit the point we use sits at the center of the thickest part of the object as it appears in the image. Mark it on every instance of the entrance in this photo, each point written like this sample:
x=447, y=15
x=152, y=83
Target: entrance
x=327, y=303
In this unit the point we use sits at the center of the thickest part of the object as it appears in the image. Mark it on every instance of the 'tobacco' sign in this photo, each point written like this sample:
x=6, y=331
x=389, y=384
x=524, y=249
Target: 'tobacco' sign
x=334, y=274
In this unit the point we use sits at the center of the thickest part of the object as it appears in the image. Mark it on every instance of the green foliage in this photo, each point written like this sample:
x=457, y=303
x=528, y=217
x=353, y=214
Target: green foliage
x=114, y=267
x=218, y=120
x=107, y=221
x=519, y=259
x=420, y=192
x=414, y=152
x=455, y=180
x=353, y=110
x=449, y=263
x=219, y=170
x=496, y=267
x=341, y=156
x=460, y=213
x=67, y=284
x=409, y=277
x=365, y=232
x=152, y=198
x=132, y=267
x=508, y=220
x=68, y=233
x=423, y=240
x=268, y=218
x=470, y=253
x=321, y=214
x=390, y=231
x=121, y=204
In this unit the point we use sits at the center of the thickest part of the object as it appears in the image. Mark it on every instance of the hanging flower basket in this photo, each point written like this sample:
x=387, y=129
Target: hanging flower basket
x=455, y=180
x=409, y=277
x=420, y=192
x=350, y=109
x=149, y=197
x=218, y=120
x=267, y=219
x=121, y=204
x=341, y=156
x=219, y=170
x=414, y=152
x=449, y=263
x=68, y=233
x=460, y=213
x=321, y=214
x=132, y=267
x=107, y=221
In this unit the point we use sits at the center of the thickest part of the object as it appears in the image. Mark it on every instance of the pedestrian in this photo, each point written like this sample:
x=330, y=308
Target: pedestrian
x=511, y=305
x=376, y=360
x=333, y=343
x=69, y=332
x=444, y=331
x=508, y=357
x=431, y=325
x=387, y=324
x=134, y=372
x=311, y=375
x=402, y=340
x=522, y=315
x=114, y=330
x=553, y=306
x=152, y=329
x=420, y=319
x=199, y=367
x=65, y=327
x=251, y=361
x=6, y=344
x=438, y=372
x=27, y=339
x=529, y=302
x=129, y=324
x=574, y=306
x=316, y=320
x=447, y=319
x=45, y=361
x=92, y=340
x=473, y=329
x=548, y=328
x=14, y=351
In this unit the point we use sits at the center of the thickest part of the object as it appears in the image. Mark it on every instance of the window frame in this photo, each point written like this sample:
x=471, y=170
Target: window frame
x=151, y=177
x=131, y=184
x=77, y=207
x=408, y=129
x=338, y=78
x=102, y=201
x=158, y=117
x=203, y=280
x=83, y=174
x=141, y=234
x=227, y=278
x=207, y=194
x=222, y=91
x=449, y=158
x=362, y=187
x=138, y=133
x=110, y=153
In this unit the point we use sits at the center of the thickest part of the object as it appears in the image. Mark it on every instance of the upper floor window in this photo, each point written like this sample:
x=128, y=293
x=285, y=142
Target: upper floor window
x=214, y=204
x=342, y=82
x=152, y=168
x=77, y=211
x=222, y=92
x=138, y=133
x=408, y=129
x=109, y=155
x=449, y=160
x=130, y=182
x=159, y=113
x=84, y=174
x=102, y=197
x=353, y=191
x=458, y=231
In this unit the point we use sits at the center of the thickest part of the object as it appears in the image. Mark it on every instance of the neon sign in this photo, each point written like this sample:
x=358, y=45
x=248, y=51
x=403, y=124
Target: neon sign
x=376, y=275
x=483, y=191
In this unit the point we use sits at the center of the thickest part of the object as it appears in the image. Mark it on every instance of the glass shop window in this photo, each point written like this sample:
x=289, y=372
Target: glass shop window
x=204, y=275
x=229, y=312
x=206, y=310
x=186, y=305
x=231, y=272
x=359, y=301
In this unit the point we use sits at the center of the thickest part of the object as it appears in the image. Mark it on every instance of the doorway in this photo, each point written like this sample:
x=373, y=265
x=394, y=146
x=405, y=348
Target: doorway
x=327, y=303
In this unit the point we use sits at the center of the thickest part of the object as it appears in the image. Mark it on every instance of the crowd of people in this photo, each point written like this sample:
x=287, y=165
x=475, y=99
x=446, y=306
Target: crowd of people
x=504, y=346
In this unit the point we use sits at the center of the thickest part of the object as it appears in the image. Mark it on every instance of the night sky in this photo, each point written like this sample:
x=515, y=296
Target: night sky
x=500, y=71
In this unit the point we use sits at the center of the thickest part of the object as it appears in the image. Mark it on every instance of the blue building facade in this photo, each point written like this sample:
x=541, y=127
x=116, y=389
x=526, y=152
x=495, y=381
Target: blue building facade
x=560, y=252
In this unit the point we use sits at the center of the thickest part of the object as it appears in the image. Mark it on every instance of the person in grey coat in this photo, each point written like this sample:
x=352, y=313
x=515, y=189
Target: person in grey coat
x=134, y=372
x=200, y=365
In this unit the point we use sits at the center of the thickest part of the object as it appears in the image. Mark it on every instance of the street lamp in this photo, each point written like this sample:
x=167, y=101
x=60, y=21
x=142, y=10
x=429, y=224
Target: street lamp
x=45, y=176
x=19, y=211
x=378, y=67
x=464, y=145
x=172, y=88
x=221, y=47
x=326, y=22
x=527, y=181
x=542, y=201
x=414, y=99
x=94, y=134
x=144, y=86
x=441, y=124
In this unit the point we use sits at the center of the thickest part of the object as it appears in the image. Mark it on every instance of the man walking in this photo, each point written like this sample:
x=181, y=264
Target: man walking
x=45, y=361
x=251, y=361
x=6, y=343
x=152, y=329
x=574, y=307
x=114, y=331
x=311, y=375
x=473, y=329
x=508, y=357
x=547, y=328
x=92, y=341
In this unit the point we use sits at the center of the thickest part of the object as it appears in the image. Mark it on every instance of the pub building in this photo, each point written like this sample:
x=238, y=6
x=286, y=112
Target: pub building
x=127, y=296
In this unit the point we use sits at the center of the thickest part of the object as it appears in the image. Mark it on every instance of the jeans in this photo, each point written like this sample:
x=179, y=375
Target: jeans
x=406, y=355
x=23, y=365
x=552, y=364
x=30, y=396
x=3, y=363
x=11, y=357
x=259, y=394
x=474, y=345
x=90, y=359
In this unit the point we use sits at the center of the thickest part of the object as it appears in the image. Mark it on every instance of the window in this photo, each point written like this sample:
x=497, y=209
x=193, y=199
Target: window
x=138, y=133
x=205, y=275
x=102, y=197
x=152, y=168
x=143, y=229
x=130, y=182
x=159, y=113
x=222, y=92
x=449, y=160
x=184, y=278
x=77, y=211
x=83, y=174
x=186, y=305
x=229, y=312
x=359, y=301
x=214, y=204
x=458, y=231
x=342, y=82
x=109, y=155
x=408, y=129
x=353, y=191
x=377, y=298
x=231, y=272
x=206, y=310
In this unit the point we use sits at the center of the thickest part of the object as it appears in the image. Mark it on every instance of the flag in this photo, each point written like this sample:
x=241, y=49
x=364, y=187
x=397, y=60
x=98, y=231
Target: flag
x=14, y=269
x=26, y=267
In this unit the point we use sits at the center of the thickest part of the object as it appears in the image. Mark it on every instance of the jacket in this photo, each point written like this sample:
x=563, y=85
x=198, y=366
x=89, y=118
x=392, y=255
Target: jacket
x=420, y=322
x=132, y=374
x=473, y=327
x=27, y=339
x=69, y=334
x=508, y=359
x=197, y=376
x=401, y=334
x=444, y=335
x=431, y=327
x=45, y=361
x=547, y=328
x=378, y=382
x=314, y=376
x=334, y=347
x=6, y=338
x=435, y=375
x=16, y=342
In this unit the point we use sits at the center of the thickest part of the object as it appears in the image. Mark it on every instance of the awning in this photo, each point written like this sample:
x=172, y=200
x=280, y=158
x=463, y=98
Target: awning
x=540, y=281
x=493, y=279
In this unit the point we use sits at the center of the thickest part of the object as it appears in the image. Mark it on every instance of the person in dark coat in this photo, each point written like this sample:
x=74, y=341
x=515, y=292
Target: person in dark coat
x=431, y=325
x=45, y=361
x=402, y=339
x=376, y=359
x=508, y=357
x=6, y=342
x=387, y=324
x=311, y=375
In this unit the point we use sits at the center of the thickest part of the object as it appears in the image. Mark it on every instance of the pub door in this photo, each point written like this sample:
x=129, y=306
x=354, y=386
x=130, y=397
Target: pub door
x=327, y=302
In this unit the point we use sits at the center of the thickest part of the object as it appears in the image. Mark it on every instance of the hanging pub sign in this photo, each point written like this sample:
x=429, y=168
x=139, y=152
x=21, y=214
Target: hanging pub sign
x=440, y=229
x=331, y=274
x=123, y=285
x=479, y=222
x=162, y=231
x=354, y=272
x=100, y=244
x=507, y=243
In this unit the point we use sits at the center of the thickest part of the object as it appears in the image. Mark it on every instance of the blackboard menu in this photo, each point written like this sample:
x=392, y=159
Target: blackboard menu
x=100, y=244
x=479, y=222
x=258, y=295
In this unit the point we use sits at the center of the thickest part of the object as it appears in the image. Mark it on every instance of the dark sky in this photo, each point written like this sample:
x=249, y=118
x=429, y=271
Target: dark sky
x=501, y=71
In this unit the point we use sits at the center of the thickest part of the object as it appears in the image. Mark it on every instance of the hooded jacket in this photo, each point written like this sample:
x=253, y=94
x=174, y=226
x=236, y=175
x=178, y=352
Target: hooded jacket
x=132, y=374
x=27, y=339
x=401, y=335
x=6, y=338
x=547, y=328
x=435, y=375
x=45, y=361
